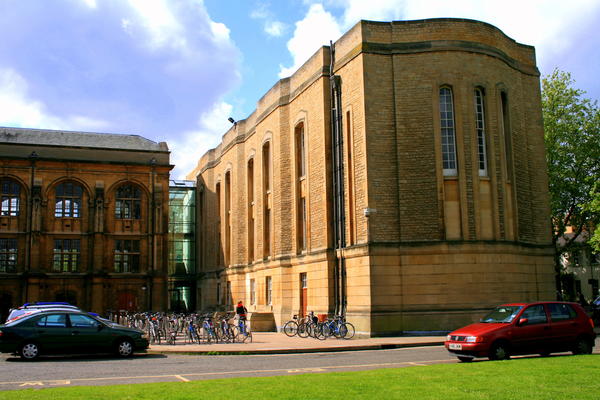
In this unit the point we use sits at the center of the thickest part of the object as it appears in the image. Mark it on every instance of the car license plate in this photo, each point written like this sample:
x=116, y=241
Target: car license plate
x=455, y=346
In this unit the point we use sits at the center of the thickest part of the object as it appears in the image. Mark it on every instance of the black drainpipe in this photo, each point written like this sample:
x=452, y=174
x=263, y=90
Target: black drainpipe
x=339, y=214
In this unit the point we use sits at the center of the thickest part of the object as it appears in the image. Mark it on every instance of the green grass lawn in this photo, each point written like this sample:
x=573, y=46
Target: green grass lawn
x=559, y=378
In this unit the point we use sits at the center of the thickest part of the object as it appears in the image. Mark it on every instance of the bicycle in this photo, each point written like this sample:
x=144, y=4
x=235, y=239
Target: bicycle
x=291, y=327
x=339, y=328
x=208, y=329
x=243, y=334
x=225, y=330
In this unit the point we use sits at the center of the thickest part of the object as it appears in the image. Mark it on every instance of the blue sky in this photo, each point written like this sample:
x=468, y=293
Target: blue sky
x=175, y=70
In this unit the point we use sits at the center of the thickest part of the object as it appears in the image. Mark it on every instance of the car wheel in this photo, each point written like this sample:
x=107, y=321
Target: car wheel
x=465, y=359
x=124, y=348
x=499, y=351
x=582, y=346
x=29, y=351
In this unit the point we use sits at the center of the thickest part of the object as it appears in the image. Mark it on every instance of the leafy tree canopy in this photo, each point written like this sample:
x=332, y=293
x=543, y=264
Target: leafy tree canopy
x=572, y=136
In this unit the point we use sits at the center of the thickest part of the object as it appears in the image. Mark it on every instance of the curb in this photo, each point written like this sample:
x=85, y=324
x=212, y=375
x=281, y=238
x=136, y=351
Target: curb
x=383, y=346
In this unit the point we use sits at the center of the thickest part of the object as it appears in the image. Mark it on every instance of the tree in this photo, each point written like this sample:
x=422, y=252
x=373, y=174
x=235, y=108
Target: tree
x=572, y=137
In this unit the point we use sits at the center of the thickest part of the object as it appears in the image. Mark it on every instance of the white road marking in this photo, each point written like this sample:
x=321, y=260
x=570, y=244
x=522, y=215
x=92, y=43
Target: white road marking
x=182, y=377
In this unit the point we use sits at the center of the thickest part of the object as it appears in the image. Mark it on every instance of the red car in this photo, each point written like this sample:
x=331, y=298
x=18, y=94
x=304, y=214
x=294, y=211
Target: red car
x=525, y=328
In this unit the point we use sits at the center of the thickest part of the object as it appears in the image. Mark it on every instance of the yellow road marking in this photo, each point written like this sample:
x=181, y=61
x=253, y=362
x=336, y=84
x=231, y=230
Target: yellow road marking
x=181, y=378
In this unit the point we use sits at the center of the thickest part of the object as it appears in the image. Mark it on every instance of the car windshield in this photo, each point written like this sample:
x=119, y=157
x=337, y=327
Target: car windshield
x=502, y=314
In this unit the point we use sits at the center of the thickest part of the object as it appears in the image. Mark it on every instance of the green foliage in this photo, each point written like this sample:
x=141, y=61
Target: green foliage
x=572, y=136
x=594, y=207
x=565, y=377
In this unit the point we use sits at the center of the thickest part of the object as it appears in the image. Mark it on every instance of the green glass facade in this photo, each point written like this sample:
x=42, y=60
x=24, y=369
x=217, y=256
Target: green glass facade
x=182, y=245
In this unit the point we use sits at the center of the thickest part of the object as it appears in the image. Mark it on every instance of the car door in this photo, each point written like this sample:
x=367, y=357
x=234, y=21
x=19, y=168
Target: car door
x=87, y=334
x=533, y=335
x=52, y=333
x=565, y=326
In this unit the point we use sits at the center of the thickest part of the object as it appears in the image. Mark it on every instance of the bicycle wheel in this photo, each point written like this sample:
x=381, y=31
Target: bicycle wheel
x=303, y=330
x=318, y=331
x=327, y=331
x=290, y=328
x=349, y=330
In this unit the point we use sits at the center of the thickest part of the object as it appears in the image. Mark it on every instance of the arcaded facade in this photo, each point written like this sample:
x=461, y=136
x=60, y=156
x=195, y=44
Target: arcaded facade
x=401, y=182
x=84, y=219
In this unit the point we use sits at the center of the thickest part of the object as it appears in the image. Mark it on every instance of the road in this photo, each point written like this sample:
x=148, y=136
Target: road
x=145, y=368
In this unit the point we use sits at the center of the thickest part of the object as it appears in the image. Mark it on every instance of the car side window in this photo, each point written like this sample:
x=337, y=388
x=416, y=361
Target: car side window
x=53, y=321
x=82, y=321
x=561, y=312
x=535, y=315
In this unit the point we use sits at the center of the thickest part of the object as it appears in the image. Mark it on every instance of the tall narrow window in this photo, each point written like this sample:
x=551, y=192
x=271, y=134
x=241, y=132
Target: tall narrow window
x=127, y=256
x=351, y=188
x=11, y=191
x=266, y=169
x=448, y=132
x=300, y=151
x=228, y=300
x=128, y=202
x=68, y=200
x=219, y=244
x=252, y=291
x=507, y=134
x=8, y=255
x=480, y=127
x=269, y=290
x=66, y=255
x=227, y=201
x=218, y=292
x=300, y=188
x=250, y=197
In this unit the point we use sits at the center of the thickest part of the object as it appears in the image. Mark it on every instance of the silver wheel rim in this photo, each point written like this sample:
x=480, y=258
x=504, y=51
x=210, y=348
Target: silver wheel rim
x=125, y=348
x=30, y=350
x=501, y=353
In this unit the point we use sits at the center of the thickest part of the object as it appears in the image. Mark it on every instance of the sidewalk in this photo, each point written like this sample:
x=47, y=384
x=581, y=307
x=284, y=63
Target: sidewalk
x=279, y=343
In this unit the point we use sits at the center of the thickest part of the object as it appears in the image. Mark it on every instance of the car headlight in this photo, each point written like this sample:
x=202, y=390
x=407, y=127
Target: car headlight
x=471, y=339
x=448, y=338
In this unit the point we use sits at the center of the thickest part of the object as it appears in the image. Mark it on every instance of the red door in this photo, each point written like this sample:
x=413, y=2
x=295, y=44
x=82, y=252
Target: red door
x=303, y=294
x=127, y=301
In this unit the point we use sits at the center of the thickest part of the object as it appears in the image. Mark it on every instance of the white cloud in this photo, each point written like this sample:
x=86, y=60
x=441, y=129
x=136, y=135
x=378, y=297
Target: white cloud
x=550, y=25
x=19, y=110
x=190, y=146
x=316, y=29
x=159, y=21
x=272, y=27
x=275, y=28
x=90, y=3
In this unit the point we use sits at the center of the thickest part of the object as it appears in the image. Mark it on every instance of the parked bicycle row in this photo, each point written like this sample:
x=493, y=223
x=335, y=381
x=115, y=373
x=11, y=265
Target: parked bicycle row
x=201, y=328
x=310, y=326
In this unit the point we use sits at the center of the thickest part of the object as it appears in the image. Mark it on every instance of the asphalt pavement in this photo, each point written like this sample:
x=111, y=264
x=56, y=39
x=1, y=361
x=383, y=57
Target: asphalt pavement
x=279, y=343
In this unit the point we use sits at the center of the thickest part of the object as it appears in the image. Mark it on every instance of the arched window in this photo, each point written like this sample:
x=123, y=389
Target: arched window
x=480, y=127
x=300, y=188
x=250, y=196
x=266, y=180
x=128, y=202
x=11, y=191
x=68, y=200
x=448, y=132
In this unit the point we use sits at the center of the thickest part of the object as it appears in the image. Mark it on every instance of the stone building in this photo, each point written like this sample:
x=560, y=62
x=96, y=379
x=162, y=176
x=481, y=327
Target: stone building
x=401, y=181
x=84, y=219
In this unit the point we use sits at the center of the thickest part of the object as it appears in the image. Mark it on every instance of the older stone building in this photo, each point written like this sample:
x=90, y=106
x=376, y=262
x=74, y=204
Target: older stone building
x=84, y=219
x=401, y=182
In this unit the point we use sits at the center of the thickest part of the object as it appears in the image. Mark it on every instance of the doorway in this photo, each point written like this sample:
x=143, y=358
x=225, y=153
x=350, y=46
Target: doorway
x=303, y=294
